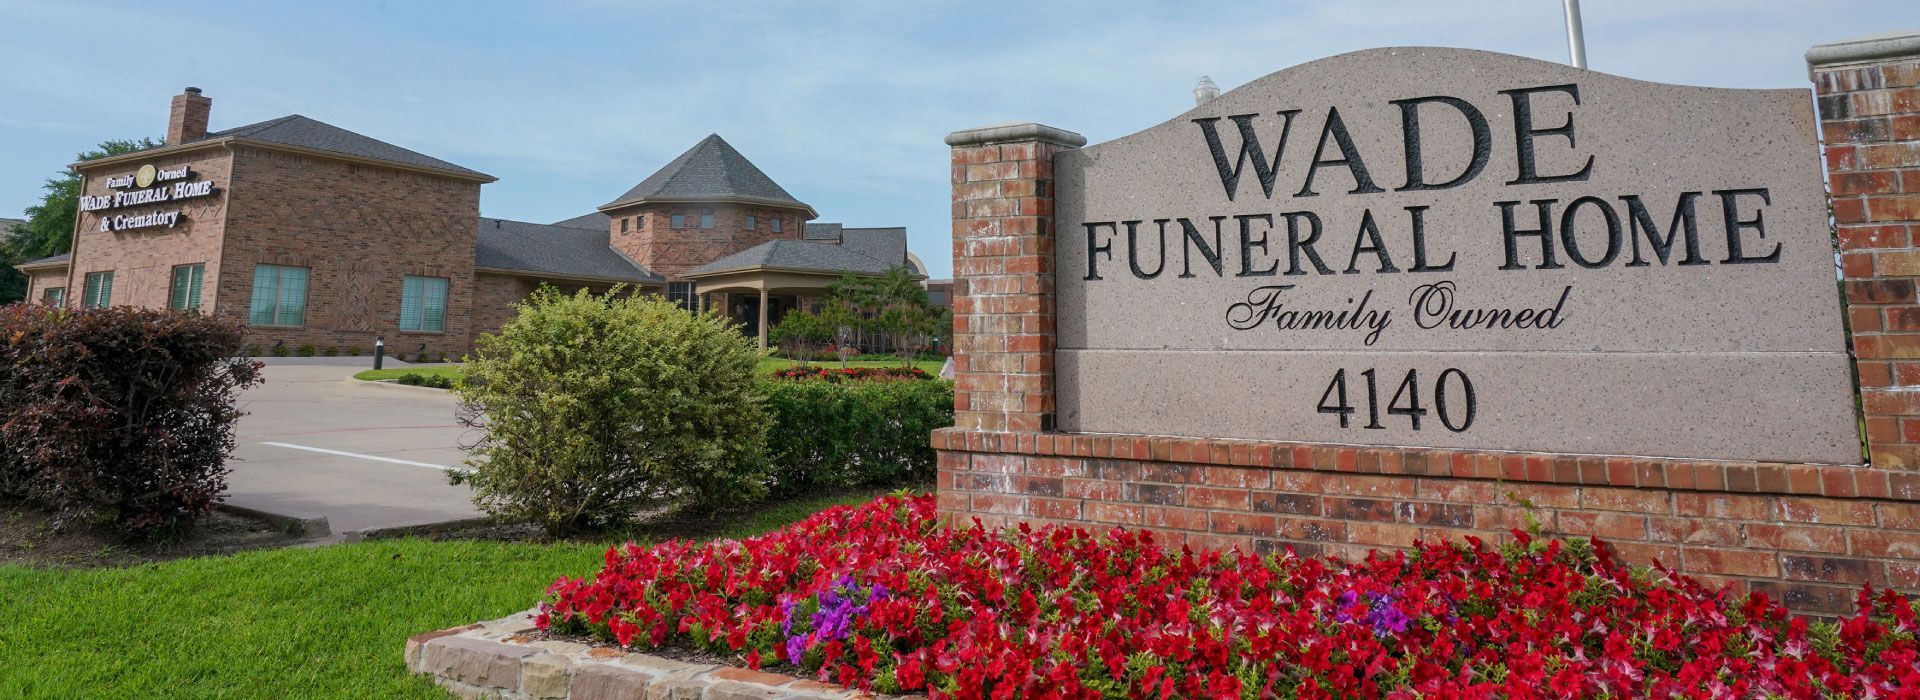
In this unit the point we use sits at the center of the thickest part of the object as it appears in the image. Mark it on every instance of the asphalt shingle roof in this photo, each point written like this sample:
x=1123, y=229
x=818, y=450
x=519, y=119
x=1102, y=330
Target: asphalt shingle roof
x=296, y=130
x=63, y=257
x=865, y=251
x=592, y=220
x=878, y=243
x=553, y=249
x=712, y=169
x=822, y=232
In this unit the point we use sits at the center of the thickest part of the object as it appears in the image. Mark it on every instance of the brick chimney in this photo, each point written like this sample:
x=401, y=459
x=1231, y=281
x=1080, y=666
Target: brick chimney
x=188, y=120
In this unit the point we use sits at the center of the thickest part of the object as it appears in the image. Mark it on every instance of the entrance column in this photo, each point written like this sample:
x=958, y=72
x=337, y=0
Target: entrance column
x=763, y=318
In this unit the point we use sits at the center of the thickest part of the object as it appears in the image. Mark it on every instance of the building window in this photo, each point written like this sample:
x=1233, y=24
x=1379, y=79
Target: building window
x=681, y=293
x=753, y=222
x=185, y=292
x=99, y=291
x=776, y=224
x=679, y=220
x=279, y=296
x=54, y=296
x=423, y=303
x=640, y=222
x=706, y=220
x=623, y=224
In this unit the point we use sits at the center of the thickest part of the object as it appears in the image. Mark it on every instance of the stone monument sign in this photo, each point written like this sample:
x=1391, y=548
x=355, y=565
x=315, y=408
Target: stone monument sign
x=1459, y=249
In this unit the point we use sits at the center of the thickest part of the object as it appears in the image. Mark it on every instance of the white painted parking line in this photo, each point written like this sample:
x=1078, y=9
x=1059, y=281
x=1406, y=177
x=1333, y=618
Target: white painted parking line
x=375, y=458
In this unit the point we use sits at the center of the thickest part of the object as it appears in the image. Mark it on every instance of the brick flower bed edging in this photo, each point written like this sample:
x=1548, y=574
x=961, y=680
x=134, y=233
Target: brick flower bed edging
x=508, y=658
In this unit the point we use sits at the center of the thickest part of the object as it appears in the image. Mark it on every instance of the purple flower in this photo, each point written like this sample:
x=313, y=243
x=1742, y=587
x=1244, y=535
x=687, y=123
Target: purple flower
x=796, y=649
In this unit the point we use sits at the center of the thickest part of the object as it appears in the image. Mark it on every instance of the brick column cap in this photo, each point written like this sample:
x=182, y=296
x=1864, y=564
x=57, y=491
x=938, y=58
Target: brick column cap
x=1015, y=131
x=1866, y=49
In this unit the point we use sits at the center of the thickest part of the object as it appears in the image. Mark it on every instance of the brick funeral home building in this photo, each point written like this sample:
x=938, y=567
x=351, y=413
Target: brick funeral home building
x=318, y=236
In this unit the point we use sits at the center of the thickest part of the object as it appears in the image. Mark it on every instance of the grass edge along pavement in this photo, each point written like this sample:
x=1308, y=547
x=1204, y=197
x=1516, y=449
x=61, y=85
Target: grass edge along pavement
x=766, y=366
x=295, y=622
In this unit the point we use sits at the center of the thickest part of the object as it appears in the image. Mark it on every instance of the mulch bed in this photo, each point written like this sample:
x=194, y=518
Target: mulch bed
x=27, y=537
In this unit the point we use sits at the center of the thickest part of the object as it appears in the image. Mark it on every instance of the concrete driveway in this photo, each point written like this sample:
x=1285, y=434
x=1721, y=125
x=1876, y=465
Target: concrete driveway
x=364, y=455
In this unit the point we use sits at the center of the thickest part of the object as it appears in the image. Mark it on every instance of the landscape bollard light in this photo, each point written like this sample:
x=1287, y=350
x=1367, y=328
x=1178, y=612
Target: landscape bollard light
x=379, y=351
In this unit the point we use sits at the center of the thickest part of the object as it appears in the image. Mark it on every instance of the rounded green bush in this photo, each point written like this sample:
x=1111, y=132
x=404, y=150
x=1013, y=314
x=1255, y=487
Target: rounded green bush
x=593, y=407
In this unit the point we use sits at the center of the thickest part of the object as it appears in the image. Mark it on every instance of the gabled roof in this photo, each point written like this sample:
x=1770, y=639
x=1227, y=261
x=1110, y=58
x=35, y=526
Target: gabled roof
x=558, y=251
x=711, y=170
x=592, y=220
x=301, y=132
x=296, y=130
x=49, y=261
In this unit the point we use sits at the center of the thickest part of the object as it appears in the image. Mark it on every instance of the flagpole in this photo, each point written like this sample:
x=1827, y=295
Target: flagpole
x=1576, y=38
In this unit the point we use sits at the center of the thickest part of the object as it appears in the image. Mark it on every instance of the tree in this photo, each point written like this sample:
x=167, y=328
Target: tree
x=49, y=226
x=799, y=333
x=893, y=305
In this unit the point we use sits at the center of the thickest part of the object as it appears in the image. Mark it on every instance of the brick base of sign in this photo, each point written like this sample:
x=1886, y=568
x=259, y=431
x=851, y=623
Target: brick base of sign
x=508, y=658
x=1809, y=535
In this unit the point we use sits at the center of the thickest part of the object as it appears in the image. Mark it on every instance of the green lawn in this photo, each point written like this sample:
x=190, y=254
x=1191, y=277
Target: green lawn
x=767, y=366
x=286, y=623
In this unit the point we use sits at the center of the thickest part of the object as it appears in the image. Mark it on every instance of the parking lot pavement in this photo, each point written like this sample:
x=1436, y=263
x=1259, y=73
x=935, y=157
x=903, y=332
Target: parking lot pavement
x=317, y=443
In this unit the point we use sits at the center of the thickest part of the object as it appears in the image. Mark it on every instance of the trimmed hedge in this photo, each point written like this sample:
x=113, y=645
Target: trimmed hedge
x=119, y=415
x=854, y=433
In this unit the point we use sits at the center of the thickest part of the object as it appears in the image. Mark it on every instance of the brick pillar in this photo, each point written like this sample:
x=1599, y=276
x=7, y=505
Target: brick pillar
x=1869, y=98
x=1003, y=292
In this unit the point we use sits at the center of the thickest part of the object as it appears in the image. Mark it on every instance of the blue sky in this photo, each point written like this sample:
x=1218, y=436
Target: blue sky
x=571, y=102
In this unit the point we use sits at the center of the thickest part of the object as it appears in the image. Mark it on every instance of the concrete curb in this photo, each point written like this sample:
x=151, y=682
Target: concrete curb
x=389, y=384
x=508, y=658
x=295, y=525
x=381, y=533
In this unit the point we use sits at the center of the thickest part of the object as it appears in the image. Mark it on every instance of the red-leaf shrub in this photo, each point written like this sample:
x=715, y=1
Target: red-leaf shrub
x=836, y=374
x=119, y=415
x=879, y=596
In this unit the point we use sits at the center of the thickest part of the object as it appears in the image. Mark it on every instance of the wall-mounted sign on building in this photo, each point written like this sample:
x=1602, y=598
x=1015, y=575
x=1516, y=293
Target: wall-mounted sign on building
x=148, y=186
x=1459, y=249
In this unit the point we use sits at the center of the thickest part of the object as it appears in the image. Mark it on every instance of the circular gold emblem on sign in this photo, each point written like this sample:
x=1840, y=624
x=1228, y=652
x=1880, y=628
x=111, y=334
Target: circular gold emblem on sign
x=144, y=178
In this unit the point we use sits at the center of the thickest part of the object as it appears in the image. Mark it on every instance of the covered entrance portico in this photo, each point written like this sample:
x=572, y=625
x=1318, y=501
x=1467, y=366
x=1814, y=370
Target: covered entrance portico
x=758, y=298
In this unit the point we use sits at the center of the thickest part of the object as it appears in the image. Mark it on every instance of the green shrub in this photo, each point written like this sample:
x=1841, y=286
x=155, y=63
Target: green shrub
x=593, y=407
x=353, y=351
x=856, y=433
x=253, y=350
x=306, y=351
x=119, y=415
x=279, y=350
x=331, y=351
x=432, y=381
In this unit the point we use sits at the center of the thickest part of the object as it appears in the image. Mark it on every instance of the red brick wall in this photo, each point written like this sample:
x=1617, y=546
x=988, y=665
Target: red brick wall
x=39, y=280
x=494, y=296
x=359, y=229
x=1870, y=120
x=142, y=261
x=1807, y=534
x=668, y=251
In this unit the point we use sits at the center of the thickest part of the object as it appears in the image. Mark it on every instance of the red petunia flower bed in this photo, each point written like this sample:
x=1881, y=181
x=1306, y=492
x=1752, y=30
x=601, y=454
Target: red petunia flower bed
x=882, y=597
x=836, y=374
